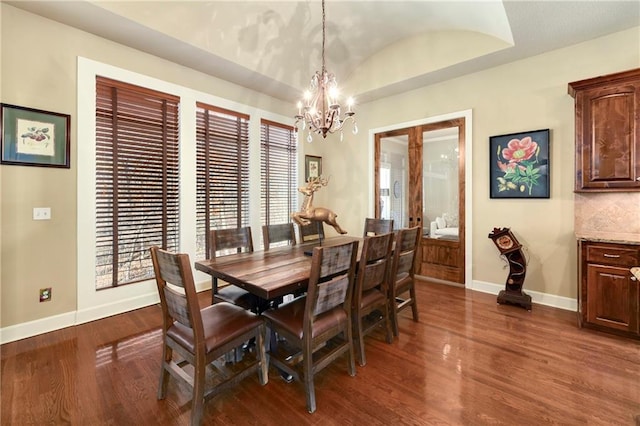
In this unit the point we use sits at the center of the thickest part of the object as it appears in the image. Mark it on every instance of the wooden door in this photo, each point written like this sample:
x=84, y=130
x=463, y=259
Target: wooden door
x=395, y=186
x=403, y=189
x=443, y=248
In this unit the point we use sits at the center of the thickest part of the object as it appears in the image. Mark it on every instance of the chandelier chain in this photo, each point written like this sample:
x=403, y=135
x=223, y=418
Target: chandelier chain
x=323, y=36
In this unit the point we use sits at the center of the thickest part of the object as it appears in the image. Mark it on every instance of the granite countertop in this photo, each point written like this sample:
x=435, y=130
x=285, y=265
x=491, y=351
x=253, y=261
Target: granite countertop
x=600, y=239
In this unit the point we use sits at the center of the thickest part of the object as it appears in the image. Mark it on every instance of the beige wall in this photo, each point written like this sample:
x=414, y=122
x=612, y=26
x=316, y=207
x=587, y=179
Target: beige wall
x=38, y=70
x=525, y=95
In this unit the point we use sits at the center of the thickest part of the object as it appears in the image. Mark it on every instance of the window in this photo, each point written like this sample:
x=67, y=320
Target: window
x=137, y=187
x=279, y=163
x=222, y=158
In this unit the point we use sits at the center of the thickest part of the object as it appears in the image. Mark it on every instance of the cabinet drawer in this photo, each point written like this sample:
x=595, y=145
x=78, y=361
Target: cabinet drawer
x=613, y=255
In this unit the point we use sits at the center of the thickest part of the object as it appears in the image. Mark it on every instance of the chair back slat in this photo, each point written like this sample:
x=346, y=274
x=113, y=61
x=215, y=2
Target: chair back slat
x=177, y=306
x=373, y=226
x=311, y=232
x=406, y=250
x=227, y=240
x=278, y=233
x=405, y=263
x=375, y=274
x=408, y=240
x=169, y=268
x=375, y=262
x=335, y=259
x=331, y=279
x=331, y=294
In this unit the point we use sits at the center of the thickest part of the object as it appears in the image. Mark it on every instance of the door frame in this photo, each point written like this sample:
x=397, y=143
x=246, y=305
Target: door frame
x=467, y=115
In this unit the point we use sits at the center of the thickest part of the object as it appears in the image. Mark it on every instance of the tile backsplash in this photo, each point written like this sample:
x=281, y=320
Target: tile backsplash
x=608, y=215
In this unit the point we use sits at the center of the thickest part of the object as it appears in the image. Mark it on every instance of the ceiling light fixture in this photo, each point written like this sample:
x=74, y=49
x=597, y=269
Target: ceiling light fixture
x=319, y=111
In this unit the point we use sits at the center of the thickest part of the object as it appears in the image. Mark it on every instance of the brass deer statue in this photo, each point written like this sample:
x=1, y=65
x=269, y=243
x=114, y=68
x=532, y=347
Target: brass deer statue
x=308, y=213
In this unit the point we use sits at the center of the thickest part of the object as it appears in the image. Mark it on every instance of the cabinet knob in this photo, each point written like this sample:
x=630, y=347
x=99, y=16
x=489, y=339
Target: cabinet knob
x=633, y=278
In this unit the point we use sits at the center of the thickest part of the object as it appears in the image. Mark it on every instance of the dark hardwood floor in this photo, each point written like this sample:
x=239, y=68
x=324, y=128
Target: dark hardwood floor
x=468, y=361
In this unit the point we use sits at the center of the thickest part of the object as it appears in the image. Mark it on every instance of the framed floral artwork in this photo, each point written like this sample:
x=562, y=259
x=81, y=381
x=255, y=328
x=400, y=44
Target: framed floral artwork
x=32, y=137
x=519, y=165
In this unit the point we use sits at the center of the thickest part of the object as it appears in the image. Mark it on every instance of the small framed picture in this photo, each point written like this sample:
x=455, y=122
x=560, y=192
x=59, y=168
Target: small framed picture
x=312, y=167
x=519, y=165
x=32, y=137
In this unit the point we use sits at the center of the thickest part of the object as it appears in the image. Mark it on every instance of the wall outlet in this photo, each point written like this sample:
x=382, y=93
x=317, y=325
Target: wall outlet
x=45, y=294
x=41, y=213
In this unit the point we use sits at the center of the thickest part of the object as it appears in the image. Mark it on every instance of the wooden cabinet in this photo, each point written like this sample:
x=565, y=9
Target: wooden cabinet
x=607, y=132
x=609, y=295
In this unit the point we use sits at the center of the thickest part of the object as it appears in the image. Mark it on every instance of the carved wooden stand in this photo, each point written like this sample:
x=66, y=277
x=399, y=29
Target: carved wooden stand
x=511, y=249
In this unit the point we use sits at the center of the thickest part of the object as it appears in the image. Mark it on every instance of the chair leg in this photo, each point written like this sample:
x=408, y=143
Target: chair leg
x=387, y=324
x=359, y=338
x=214, y=289
x=197, y=403
x=414, y=302
x=167, y=355
x=394, y=319
x=352, y=358
x=309, y=387
x=263, y=361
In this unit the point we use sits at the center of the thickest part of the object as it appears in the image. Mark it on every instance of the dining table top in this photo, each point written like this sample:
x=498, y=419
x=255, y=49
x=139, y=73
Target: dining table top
x=270, y=273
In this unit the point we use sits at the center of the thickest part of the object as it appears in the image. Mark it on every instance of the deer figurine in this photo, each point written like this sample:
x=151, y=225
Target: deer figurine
x=308, y=213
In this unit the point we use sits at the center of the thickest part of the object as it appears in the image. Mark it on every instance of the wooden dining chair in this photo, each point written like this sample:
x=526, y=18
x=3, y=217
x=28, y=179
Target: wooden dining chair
x=370, y=307
x=201, y=337
x=402, y=290
x=278, y=233
x=324, y=314
x=228, y=241
x=374, y=226
x=314, y=231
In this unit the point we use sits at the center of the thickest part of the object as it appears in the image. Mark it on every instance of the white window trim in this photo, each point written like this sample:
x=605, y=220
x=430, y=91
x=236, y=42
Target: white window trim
x=93, y=304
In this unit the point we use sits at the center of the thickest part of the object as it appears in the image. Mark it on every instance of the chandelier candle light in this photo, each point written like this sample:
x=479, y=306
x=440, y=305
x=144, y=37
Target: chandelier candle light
x=320, y=110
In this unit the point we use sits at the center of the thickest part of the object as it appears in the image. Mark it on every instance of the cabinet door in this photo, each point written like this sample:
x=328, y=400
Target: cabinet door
x=612, y=298
x=608, y=138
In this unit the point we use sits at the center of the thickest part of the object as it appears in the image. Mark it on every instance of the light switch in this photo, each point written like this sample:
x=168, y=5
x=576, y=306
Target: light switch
x=41, y=213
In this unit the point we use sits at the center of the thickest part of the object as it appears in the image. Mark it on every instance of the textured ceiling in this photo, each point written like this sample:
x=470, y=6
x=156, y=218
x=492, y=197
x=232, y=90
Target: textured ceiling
x=375, y=48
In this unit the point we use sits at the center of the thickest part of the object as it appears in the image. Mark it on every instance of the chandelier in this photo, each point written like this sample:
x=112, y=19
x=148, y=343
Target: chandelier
x=319, y=111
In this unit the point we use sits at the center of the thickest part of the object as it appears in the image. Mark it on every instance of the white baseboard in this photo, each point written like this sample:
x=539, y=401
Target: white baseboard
x=552, y=300
x=69, y=319
x=97, y=312
x=40, y=326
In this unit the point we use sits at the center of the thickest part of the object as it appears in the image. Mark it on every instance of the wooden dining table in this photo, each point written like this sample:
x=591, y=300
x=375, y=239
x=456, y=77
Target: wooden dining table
x=269, y=274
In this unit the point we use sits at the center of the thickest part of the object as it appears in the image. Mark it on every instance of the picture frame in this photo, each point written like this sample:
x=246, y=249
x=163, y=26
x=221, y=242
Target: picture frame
x=33, y=137
x=312, y=167
x=519, y=165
